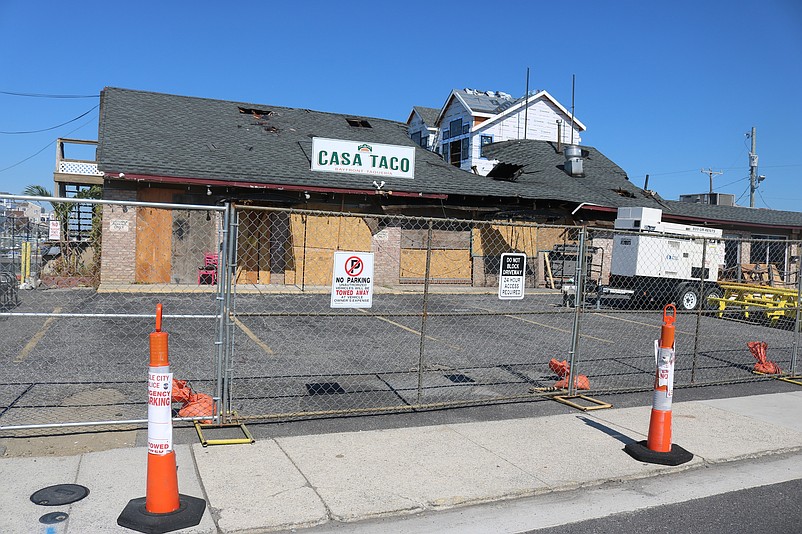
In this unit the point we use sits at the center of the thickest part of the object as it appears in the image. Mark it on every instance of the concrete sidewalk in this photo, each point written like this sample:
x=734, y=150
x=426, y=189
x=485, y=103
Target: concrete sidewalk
x=302, y=481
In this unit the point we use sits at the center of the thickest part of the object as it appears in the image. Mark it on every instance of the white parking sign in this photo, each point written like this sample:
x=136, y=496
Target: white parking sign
x=511, y=276
x=352, y=280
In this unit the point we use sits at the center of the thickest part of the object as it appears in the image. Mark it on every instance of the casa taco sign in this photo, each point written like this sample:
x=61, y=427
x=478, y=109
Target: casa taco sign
x=356, y=157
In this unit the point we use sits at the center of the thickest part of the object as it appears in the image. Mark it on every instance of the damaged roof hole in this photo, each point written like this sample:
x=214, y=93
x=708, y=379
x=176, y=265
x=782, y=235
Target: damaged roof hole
x=624, y=193
x=359, y=123
x=506, y=171
x=258, y=113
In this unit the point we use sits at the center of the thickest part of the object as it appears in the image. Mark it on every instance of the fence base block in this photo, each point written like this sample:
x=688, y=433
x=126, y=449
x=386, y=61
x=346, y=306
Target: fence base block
x=791, y=379
x=642, y=453
x=248, y=438
x=595, y=404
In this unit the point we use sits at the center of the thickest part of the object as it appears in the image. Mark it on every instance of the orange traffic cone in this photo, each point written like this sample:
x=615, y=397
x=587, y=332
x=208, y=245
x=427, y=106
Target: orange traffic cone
x=657, y=448
x=162, y=509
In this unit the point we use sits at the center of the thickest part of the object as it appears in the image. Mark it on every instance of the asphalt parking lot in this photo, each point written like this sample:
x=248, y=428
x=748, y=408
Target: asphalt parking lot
x=79, y=355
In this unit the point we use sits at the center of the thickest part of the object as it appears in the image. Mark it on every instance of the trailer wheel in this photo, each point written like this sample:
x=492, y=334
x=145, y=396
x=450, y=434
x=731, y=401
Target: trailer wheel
x=711, y=292
x=688, y=298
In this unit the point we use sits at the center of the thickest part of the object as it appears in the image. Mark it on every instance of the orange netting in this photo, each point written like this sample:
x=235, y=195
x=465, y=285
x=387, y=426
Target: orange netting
x=763, y=365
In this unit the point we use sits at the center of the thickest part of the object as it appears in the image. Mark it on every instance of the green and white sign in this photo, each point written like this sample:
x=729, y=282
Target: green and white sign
x=356, y=157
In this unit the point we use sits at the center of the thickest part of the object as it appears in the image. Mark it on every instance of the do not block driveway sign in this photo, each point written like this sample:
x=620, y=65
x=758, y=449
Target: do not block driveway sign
x=511, y=276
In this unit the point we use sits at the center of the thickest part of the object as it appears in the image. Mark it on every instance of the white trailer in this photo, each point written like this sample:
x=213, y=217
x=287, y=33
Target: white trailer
x=656, y=262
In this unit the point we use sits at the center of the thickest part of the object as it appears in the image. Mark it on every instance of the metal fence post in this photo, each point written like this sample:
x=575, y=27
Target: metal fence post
x=797, y=325
x=223, y=298
x=579, y=298
x=230, y=310
x=426, y=277
x=700, y=306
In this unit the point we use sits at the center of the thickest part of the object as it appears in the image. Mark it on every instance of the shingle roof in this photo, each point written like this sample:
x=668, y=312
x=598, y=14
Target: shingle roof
x=544, y=177
x=606, y=184
x=755, y=216
x=429, y=115
x=158, y=134
x=483, y=102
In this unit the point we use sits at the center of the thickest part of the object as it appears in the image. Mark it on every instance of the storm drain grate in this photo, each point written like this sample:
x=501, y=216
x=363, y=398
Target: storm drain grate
x=324, y=388
x=460, y=379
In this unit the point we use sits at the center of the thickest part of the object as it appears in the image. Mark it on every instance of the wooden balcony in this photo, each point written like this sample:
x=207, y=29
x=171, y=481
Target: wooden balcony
x=74, y=172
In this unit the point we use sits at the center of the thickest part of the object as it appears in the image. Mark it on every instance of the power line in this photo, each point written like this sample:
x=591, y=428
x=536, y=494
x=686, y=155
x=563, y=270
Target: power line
x=763, y=199
x=45, y=147
x=44, y=95
x=53, y=127
x=735, y=182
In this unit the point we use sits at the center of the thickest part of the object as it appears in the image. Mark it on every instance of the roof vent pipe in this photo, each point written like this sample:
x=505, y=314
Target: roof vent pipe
x=573, y=160
x=559, y=136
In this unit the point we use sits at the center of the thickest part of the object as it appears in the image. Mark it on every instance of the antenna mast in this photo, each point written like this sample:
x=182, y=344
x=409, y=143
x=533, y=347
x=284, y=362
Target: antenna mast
x=573, y=90
x=526, y=104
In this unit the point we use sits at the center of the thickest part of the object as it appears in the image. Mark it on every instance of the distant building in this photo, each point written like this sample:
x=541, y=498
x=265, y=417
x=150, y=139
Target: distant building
x=471, y=119
x=711, y=199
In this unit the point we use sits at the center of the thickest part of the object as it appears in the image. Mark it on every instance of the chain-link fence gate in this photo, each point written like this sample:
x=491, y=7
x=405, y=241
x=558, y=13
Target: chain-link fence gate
x=78, y=308
x=437, y=333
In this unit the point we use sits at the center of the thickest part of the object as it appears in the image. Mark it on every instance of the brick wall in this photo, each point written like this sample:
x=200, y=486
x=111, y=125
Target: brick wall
x=118, y=258
x=386, y=247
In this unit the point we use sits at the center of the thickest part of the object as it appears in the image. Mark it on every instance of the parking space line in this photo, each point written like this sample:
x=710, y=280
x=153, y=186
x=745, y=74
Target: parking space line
x=658, y=326
x=253, y=337
x=37, y=337
x=413, y=331
x=559, y=329
x=550, y=326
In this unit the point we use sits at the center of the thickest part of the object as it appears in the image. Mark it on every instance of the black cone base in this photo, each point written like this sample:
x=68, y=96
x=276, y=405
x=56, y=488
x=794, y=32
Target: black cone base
x=641, y=452
x=136, y=517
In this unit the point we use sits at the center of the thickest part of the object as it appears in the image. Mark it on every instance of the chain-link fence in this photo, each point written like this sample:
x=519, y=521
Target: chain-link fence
x=75, y=323
x=729, y=292
x=249, y=300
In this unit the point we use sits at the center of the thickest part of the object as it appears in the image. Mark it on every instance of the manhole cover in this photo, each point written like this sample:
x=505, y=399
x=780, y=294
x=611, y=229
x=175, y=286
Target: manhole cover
x=59, y=494
x=53, y=517
x=324, y=388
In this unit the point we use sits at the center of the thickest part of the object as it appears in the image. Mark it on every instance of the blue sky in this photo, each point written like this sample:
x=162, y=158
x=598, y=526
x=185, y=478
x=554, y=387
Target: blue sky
x=664, y=88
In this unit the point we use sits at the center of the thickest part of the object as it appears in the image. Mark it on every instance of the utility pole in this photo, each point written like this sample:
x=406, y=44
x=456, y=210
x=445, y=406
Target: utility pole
x=711, y=172
x=752, y=171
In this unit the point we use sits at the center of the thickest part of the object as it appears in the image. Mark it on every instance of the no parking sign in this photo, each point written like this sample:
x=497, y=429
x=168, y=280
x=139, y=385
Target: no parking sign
x=352, y=280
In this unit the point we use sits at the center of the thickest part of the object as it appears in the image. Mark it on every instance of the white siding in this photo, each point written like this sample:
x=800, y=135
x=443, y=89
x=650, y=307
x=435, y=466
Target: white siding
x=416, y=125
x=454, y=111
x=542, y=118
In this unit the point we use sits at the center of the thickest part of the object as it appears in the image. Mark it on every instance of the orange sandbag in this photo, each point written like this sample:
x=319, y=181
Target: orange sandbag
x=763, y=365
x=580, y=382
x=181, y=391
x=199, y=404
x=562, y=369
